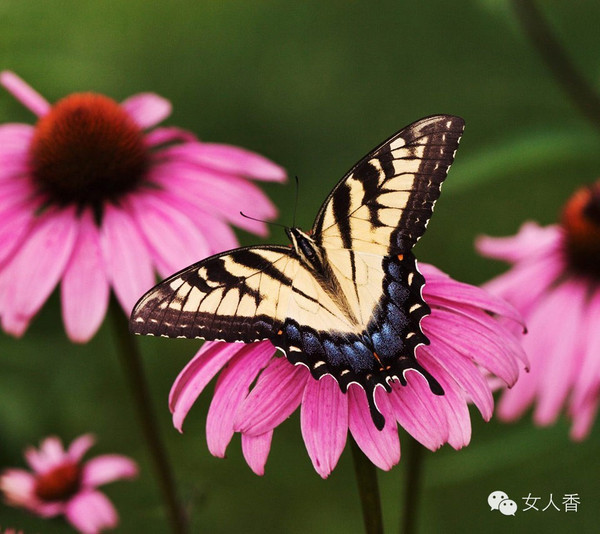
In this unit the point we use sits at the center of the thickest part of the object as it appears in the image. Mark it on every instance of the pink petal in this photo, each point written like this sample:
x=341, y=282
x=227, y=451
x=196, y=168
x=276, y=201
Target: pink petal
x=50, y=454
x=452, y=402
x=231, y=390
x=456, y=294
x=90, y=512
x=416, y=410
x=324, y=422
x=147, y=109
x=14, y=141
x=467, y=376
x=531, y=239
x=230, y=159
x=80, y=446
x=474, y=342
x=25, y=94
x=18, y=486
x=563, y=353
x=273, y=399
x=220, y=194
x=165, y=228
x=216, y=231
x=165, y=135
x=194, y=377
x=256, y=451
x=588, y=377
x=108, y=468
x=32, y=274
x=382, y=447
x=584, y=419
x=126, y=257
x=18, y=219
x=85, y=289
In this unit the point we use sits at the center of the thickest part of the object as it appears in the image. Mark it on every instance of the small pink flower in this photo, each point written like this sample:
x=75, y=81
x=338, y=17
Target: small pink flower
x=257, y=390
x=555, y=284
x=61, y=484
x=92, y=199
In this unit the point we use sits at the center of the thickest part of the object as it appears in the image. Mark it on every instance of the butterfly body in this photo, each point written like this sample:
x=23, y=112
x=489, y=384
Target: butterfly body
x=346, y=299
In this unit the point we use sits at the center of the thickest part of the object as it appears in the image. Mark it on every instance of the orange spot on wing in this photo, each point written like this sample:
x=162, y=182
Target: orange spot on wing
x=280, y=332
x=400, y=257
x=379, y=360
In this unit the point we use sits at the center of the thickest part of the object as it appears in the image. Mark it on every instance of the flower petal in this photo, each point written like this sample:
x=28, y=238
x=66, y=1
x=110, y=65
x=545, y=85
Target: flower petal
x=256, y=451
x=29, y=278
x=108, y=468
x=417, y=412
x=382, y=447
x=14, y=141
x=85, y=289
x=90, y=512
x=80, y=446
x=126, y=257
x=452, y=402
x=324, y=422
x=165, y=135
x=194, y=377
x=24, y=93
x=18, y=487
x=230, y=159
x=277, y=393
x=147, y=109
x=531, y=239
x=174, y=240
x=231, y=390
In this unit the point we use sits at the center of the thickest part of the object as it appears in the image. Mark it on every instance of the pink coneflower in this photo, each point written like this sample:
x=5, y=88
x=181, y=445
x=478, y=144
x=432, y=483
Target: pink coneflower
x=555, y=284
x=91, y=198
x=62, y=485
x=257, y=389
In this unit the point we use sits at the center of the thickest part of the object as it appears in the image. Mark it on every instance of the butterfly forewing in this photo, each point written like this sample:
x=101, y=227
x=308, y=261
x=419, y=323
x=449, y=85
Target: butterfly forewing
x=384, y=202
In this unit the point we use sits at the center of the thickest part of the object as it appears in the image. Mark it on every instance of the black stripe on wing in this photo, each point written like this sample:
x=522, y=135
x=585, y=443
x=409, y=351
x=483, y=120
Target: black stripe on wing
x=217, y=298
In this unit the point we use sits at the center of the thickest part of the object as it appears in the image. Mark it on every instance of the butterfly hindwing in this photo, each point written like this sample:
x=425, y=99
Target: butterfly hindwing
x=383, y=204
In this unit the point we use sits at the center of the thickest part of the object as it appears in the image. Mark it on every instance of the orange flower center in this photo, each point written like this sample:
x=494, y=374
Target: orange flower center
x=581, y=222
x=87, y=150
x=59, y=483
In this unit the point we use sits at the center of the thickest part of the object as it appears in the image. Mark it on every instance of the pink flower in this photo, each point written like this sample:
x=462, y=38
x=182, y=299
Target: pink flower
x=555, y=284
x=62, y=485
x=257, y=390
x=91, y=198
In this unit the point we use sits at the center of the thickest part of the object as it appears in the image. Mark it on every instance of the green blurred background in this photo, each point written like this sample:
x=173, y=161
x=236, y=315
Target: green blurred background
x=314, y=86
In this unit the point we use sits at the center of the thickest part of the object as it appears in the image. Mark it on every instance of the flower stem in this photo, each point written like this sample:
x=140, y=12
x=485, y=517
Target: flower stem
x=366, y=478
x=539, y=32
x=412, y=490
x=136, y=381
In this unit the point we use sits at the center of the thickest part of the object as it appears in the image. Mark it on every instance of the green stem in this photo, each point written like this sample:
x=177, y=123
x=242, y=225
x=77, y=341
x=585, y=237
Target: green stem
x=138, y=386
x=539, y=32
x=366, y=478
x=412, y=490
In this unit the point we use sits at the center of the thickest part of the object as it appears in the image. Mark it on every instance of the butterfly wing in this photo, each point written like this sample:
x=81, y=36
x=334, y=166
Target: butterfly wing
x=383, y=204
x=234, y=296
x=245, y=295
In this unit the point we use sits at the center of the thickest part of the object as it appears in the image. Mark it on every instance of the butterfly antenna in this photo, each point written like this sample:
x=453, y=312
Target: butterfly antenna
x=296, y=202
x=261, y=220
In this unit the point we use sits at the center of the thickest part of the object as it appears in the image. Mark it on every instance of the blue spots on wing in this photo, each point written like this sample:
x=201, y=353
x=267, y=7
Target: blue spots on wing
x=386, y=342
x=311, y=345
x=398, y=292
x=358, y=356
x=293, y=335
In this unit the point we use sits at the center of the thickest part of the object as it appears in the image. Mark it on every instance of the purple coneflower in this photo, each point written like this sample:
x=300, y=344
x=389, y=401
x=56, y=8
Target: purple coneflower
x=257, y=389
x=91, y=198
x=555, y=284
x=61, y=484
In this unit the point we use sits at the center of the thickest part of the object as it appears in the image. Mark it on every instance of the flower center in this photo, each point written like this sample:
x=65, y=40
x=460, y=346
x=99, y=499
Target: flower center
x=59, y=483
x=87, y=150
x=581, y=222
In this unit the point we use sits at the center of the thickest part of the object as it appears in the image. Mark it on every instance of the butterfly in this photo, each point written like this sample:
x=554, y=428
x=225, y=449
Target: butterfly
x=345, y=299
